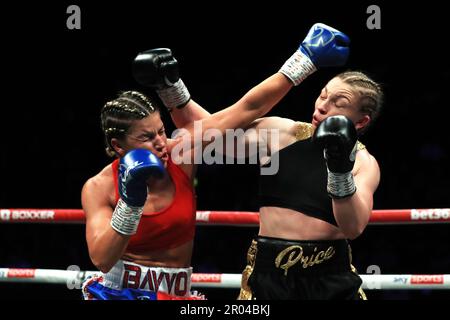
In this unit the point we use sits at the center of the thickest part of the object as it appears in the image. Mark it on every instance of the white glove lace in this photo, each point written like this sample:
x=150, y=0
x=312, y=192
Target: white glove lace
x=125, y=218
x=340, y=185
x=176, y=96
x=298, y=67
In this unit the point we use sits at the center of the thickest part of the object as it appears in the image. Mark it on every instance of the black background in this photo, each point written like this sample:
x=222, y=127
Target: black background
x=56, y=80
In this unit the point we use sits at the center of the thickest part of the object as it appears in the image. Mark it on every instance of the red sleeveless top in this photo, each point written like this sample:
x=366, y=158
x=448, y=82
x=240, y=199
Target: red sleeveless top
x=170, y=227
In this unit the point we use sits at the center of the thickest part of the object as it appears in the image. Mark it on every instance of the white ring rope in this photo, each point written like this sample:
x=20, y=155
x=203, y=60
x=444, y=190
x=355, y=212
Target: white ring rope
x=73, y=279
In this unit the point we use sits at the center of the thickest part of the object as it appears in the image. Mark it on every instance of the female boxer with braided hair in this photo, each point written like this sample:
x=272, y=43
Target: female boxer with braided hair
x=140, y=210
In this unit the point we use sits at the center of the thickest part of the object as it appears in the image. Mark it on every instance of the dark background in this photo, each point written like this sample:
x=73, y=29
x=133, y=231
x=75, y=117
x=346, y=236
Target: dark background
x=56, y=80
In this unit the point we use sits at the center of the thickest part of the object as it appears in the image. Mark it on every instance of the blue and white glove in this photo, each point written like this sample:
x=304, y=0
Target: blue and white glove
x=135, y=168
x=324, y=46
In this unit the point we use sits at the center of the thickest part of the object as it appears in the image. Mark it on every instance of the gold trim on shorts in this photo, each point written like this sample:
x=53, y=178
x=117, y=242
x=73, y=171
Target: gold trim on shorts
x=246, y=292
x=362, y=294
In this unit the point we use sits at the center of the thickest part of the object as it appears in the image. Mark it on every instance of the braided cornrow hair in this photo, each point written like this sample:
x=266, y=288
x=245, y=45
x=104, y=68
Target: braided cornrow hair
x=117, y=115
x=371, y=93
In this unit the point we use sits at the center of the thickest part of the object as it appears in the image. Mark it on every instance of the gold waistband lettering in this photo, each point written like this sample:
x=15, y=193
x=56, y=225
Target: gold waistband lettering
x=295, y=254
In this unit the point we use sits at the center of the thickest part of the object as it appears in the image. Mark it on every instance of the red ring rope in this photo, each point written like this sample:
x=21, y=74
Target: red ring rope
x=222, y=217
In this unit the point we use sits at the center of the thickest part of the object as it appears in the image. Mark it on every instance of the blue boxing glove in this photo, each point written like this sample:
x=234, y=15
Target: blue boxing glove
x=324, y=46
x=135, y=168
x=158, y=69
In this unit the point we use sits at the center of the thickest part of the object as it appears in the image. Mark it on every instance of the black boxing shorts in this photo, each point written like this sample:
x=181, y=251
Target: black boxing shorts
x=281, y=269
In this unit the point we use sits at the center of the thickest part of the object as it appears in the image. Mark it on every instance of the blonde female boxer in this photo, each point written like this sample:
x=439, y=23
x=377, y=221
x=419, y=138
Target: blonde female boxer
x=140, y=209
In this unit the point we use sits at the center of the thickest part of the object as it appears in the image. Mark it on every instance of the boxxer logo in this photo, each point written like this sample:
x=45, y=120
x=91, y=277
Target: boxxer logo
x=5, y=215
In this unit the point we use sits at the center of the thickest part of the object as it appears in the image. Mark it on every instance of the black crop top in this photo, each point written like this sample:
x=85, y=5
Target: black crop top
x=301, y=181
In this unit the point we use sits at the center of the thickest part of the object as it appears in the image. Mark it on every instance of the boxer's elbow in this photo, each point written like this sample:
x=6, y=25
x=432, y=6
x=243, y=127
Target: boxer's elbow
x=352, y=229
x=102, y=264
x=101, y=259
x=352, y=222
x=353, y=233
x=355, y=229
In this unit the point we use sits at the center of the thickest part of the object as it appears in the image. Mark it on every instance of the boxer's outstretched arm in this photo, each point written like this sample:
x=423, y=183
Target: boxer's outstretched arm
x=157, y=68
x=323, y=46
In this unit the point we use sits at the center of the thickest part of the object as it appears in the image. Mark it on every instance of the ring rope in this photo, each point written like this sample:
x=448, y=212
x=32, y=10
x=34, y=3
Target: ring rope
x=242, y=218
x=73, y=279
